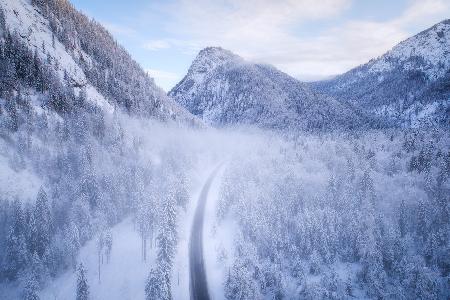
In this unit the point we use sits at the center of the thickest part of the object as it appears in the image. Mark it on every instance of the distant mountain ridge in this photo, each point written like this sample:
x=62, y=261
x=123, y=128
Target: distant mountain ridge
x=223, y=89
x=409, y=85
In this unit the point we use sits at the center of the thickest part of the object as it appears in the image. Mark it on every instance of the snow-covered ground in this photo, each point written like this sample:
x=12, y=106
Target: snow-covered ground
x=123, y=278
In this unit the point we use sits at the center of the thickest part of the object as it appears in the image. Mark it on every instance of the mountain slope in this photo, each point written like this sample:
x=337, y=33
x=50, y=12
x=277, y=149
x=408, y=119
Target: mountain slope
x=223, y=89
x=409, y=84
x=76, y=113
x=84, y=57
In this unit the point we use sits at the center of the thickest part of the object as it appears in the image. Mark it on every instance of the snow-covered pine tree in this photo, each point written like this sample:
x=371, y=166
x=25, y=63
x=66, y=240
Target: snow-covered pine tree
x=31, y=232
x=156, y=286
x=167, y=237
x=315, y=266
x=100, y=246
x=144, y=221
x=30, y=291
x=402, y=222
x=16, y=257
x=82, y=284
x=43, y=219
x=38, y=269
x=72, y=243
x=108, y=245
x=240, y=283
x=2, y=21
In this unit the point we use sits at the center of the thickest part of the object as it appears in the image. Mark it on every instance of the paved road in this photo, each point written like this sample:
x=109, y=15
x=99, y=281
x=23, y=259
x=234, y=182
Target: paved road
x=198, y=284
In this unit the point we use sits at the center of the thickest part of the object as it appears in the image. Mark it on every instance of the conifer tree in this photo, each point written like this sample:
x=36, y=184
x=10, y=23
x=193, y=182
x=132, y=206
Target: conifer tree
x=156, y=286
x=72, y=243
x=16, y=249
x=108, y=245
x=31, y=288
x=82, y=284
x=43, y=219
x=167, y=237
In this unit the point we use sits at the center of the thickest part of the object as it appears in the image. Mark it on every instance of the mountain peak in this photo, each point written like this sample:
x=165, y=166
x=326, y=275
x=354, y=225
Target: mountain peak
x=215, y=51
x=210, y=58
x=206, y=61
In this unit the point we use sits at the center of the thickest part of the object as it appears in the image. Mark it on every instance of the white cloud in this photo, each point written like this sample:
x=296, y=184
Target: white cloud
x=155, y=45
x=336, y=50
x=424, y=11
x=186, y=46
x=233, y=22
x=263, y=30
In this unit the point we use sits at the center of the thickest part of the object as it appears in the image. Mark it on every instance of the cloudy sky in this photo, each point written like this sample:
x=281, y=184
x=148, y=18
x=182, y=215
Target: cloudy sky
x=308, y=39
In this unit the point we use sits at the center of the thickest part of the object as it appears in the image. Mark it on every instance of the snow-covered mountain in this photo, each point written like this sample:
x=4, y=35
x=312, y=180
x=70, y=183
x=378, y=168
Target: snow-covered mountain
x=79, y=55
x=223, y=89
x=75, y=113
x=409, y=84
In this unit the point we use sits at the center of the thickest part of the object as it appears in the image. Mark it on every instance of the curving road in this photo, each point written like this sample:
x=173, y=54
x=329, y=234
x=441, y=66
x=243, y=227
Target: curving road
x=198, y=284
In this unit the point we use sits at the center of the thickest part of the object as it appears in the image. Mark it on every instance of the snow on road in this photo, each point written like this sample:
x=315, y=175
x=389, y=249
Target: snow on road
x=180, y=275
x=198, y=278
x=217, y=241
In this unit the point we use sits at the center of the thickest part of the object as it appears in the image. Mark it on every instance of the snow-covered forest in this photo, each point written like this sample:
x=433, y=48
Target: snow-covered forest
x=340, y=216
x=313, y=216
x=292, y=191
